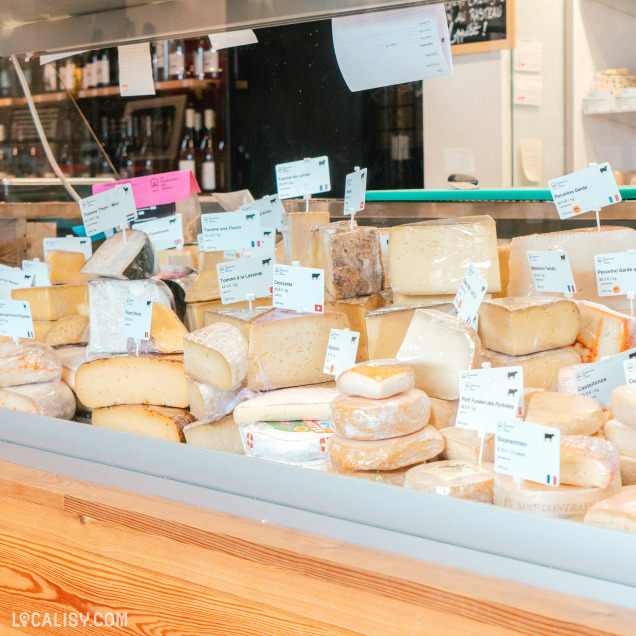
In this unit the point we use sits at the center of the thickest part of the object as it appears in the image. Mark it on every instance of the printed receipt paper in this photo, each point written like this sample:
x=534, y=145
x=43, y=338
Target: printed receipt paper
x=392, y=47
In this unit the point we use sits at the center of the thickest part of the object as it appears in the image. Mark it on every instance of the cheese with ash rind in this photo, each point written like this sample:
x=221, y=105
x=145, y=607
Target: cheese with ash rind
x=240, y=318
x=222, y=435
x=588, y=462
x=132, y=257
x=622, y=436
x=623, y=404
x=519, y=326
x=390, y=477
x=216, y=355
x=195, y=311
x=53, y=399
x=604, y=332
x=297, y=403
x=432, y=257
x=377, y=382
x=386, y=454
x=628, y=470
x=107, y=299
x=288, y=349
x=453, y=478
x=208, y=404
x=369, y=419
x=72, y=330
x=464, y=444
x=64, y=267
x=297, y=234
x=437, y=347
x=572, y=414
x=166, y=333
x=54, y=302
x=28, y=362
x=443, y=413
x=149, y=420
x=151, y=379
x=615, y=513
x=540, y=370
x=563, y=502
x=581, y=246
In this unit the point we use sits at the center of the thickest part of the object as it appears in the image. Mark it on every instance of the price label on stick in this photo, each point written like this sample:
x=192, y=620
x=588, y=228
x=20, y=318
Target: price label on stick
x=528, y=451
x=486, y=395
x=615, y=273
x=342, y=349
x=165, y=233
x=299, y=288
x=245, y=276
x=470, y=295
x=598, y=379
x=355, y=191
x=79, y=244
x=551, y=272
x=108, y=209
x=304, y=177
x=15, y=319
x=265, y=250
x=270, y=209
x=231, y=230
x=13, y=278
x=137, y=317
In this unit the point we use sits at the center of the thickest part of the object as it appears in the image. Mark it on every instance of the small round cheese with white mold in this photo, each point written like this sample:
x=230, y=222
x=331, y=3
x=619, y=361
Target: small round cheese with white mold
x=376, y=382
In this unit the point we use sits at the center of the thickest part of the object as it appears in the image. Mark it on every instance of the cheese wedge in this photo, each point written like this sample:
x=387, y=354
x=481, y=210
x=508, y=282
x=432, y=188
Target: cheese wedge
x=297, y=234
x=240, y=318
x=622, y=436
x=390, y=477
x=223, y=436
x=628, y=470
x=589, y=462
x=132, y=257
x=188, y=256
x=288, y=349
x=386, y=454
x=623, y=404
x=159, y=422
x=166, y=333
x=464, y=444
x=28, y=362
x=208, y=404
x=71, y=330
x=216, y=355
x=41, y=328
x=453, y=478
x=503, y=252
x=431, y=257
x=52, y=303
x=572, y=414
x=153, y=379
x=540, y=370
x=195, y=311
x=52, y=399
x=438, y=348
x=319, y=243
x=64, y=267
x=615, y=513
x=519, y=326
x=443, y=413
x=368, y=419
x=377, y=382
x=298, y=403
x=206, y=286
x=426, y=300
x=604, y=332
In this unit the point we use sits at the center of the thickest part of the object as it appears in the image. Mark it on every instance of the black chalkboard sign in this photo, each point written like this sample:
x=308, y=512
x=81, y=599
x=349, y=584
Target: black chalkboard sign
x=480, y=25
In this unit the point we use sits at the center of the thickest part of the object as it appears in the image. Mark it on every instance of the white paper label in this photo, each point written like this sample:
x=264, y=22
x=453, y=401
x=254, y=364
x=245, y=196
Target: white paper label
x=470, y=295
x=598, y=102
x=299, y=288
x=79, y=244
x=264, y=250
x=137, y=317
x=488, y=395
x=529, y=56
x=270, y=209
x=245, y=276
x=232, y=38
x=629, y=367
x=527, y=90
x=585, y=191
x=551, y=272
x=626, y=102
x=528, y=451
x=39, y=271
x=598, y=379
x=135, y=70
x=341, y=351
x=15, y=319
x=615, y=273
x=13, y=278
x=106, y=210
x=307, y=176
x=165, y=233
x=231, y=230
x=355, y=191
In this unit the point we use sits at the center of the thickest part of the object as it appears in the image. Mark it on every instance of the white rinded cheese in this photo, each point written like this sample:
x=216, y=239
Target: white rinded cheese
x=463, y=444
x=54, y=302
x=623, y=404
x=453, y=478
x=519, y=326
x=132, y=257
x=28, y=362
x=572, y=414
x=588, y=462
x=622, y=436
x=369, y=419
x=376, y=382
x=208, y=404
x=604, y=332
x=431, y=257
x=390, y=477
x=223, y=436
x=437, y=347
x=53, y=399
x=615, y=513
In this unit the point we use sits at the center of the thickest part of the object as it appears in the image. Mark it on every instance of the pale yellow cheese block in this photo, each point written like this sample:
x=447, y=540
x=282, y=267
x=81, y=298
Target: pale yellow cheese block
x=53, y=303
x=623, y=404
x=390, y=477
x=64, y=267
x=615, y=513
x=52, y=399
x=186, y=257
x=222, y=435
x=463, y=444
x=206, y=286
x=149, y=420
x=166, y=331
x=297, y=234
x=604, y=332
x=410, y=300
x=443, y=413
x=152, y=379
x=589, y=462
x=207, y=403
x=519, y=326
x=503, y=250
x=572, y=414
x=240, y=318
x=194, y=311
x=68, y=331
x=628, y=470
x=622, y=436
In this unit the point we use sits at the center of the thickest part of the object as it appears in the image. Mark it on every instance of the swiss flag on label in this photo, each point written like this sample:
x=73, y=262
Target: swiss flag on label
x=318, y=308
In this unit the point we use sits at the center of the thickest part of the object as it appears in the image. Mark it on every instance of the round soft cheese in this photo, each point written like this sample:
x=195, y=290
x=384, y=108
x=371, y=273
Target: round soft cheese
x=572, y=414
x=377, y=382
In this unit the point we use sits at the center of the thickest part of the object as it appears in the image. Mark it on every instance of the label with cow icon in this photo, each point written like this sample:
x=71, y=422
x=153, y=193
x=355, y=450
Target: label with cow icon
x=165, y=233
x=528, y=451
x=137, y=317
x=81, y=244
x=615, y=273
x=551, y=272
x=13, y=278
x=300, y=289
x=470, y=295
x=355, y=191
x=270, y=209
x=304, y=177
x=489, y=395
x=598, y=379
x=342, y=350
x=240, y=278
x=109, y=209
x=230, y=231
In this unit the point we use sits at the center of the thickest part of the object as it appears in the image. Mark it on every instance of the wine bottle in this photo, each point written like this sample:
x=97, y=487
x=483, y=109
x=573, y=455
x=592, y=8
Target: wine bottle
x=102, y=68
x=208, y=165
x=187, y=152
x=50, y=79
x=176, y=60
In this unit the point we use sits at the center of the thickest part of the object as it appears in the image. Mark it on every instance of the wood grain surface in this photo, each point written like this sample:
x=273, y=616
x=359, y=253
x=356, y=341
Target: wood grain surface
x=71, y=546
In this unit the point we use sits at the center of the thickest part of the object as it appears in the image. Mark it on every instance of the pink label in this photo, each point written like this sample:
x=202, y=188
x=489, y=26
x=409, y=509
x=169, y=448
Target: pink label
x=157, y=189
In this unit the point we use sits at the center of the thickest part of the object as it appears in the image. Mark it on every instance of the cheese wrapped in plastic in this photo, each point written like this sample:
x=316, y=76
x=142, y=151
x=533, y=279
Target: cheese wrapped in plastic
x=389, y=477
x=52, y=399
x=604, y=332
x=572, y=414
x=623, y=404
x=208, y=404
x=297, y=234
x=222, y=435
x=589, y=462
x=622, y=436
x=464, y=444
x=28, y=362
x=615, y=513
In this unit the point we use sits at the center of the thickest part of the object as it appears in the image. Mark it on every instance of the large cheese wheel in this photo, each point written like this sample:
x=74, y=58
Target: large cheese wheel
x=368, y=419
x=28, y=362
x=53, y=399
x=453, y=478
x=572, y=414
x=616, y=513
x=390, y=477
x=376, y=382
x=387, y=454
x=588, y=462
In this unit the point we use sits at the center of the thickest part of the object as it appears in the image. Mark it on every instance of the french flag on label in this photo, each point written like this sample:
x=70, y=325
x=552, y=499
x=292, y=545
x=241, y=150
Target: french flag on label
x=572, y=288
x=615, y=199
x=30, y=334
x=257, y=243
x=551, y=481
